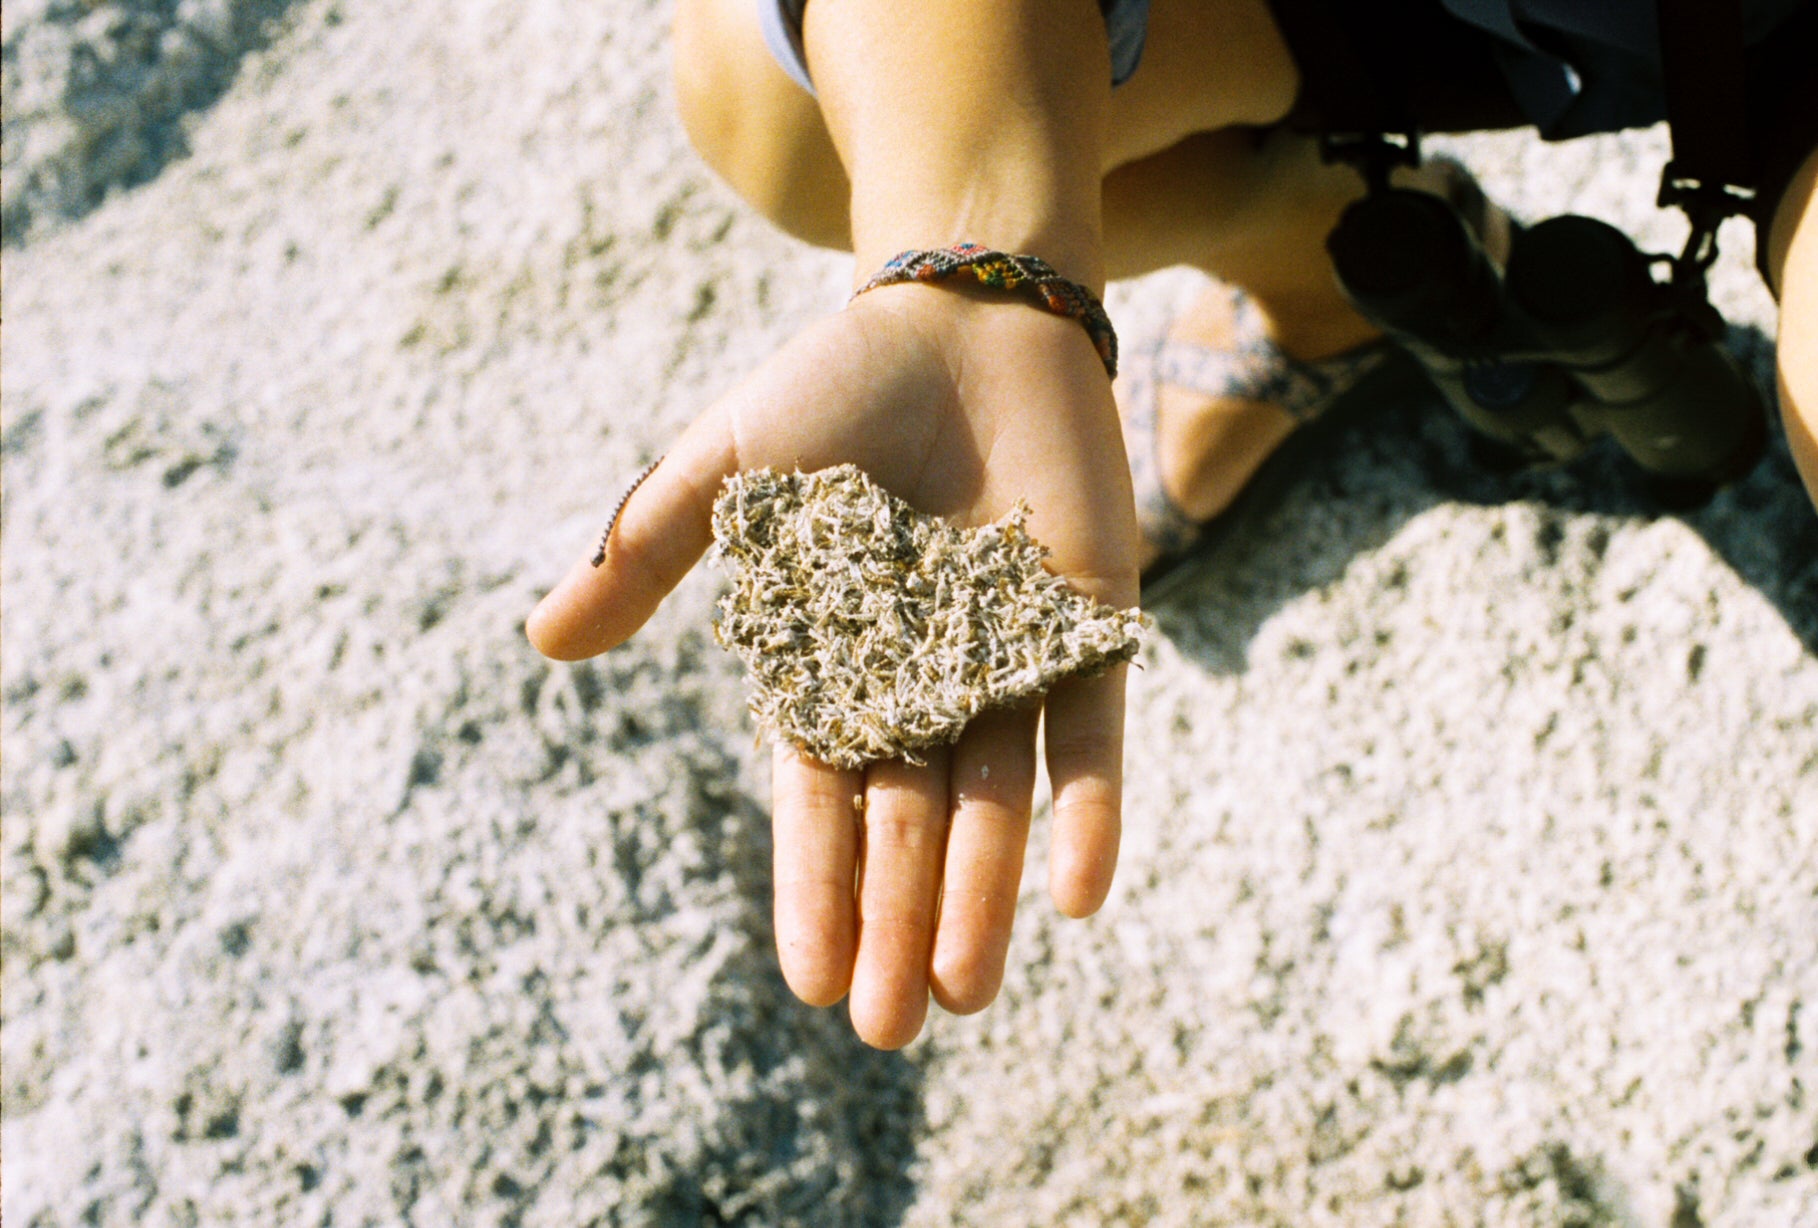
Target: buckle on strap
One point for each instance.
(1679, 188)
(1372, 154)
(1706, 202)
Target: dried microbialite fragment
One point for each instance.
(872, 631)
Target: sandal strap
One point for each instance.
(1254, 368)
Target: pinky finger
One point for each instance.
(1085, 751)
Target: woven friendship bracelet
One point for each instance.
(1003, 271)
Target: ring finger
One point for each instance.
(903, 845)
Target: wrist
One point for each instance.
(1028, 277)
(1071, 246)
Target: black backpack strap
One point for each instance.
(1366, 119)
(1711, 175)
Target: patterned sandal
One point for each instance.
(1254, 368)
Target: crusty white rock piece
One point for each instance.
(872, 631)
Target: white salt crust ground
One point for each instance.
(1470, 874)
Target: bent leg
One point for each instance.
(1793, 270)
(758, 130)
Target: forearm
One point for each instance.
(973, 121)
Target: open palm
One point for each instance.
(961, 403)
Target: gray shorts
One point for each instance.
(1126, 21)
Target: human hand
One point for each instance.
(898, 880)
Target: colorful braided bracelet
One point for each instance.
(1003, 271)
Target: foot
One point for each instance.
(1235, 376)
(1206, 447)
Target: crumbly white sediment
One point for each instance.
(871, 631)
(1471, 821)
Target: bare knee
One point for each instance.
(1206, 65)
(755, 127)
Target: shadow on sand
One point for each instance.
(1404, 452)
(875, 1098)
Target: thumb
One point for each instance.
(661, 531)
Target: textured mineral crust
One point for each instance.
(871, 631)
